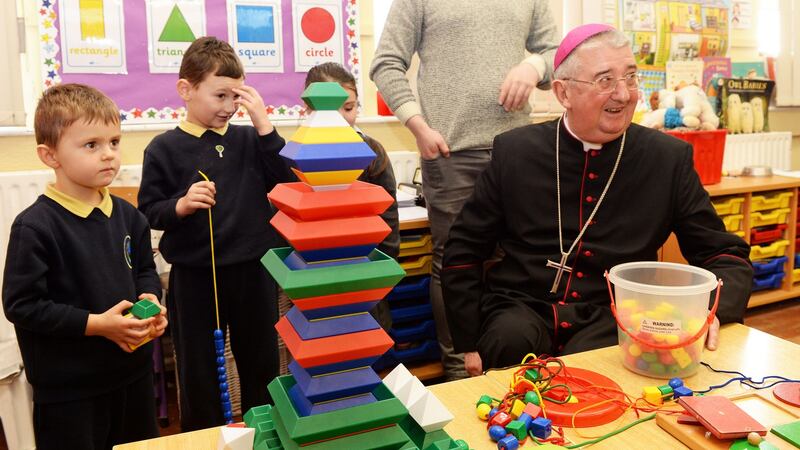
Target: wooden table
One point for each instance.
(743, 349)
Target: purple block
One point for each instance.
(330, 327)
(320, 388)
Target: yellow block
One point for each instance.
(145, 341)
(93, 24)
(516, 408)
(329, 177)
(652, 395)
(325, 135)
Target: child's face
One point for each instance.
(350, 107)
(86, 157)
(211, 103)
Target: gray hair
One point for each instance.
(571, 65)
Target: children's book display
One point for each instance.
(743, 104)
(334, 275)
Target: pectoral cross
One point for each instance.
(219, 150)
(561, 267)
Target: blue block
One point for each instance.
(321, 388)
(296, 262)
(305, 408)
(329, 327)
(328, 157)
(356, 251)
(541, 427)
(508, 443)
(339, 366)
(526, 419)
(682, 391)
(340, 310)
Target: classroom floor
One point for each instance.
(779, 319)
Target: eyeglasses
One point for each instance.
(606, 84)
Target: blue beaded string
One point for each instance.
(745, 380)
(219, 336)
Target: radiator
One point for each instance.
(772, 149)
(404, 163)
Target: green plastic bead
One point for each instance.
(484, 400)
(532, 375)
(531, 397)
(649, 357)
(658, 368)
(665, 390)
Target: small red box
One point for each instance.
(709, 148)
(383, 108)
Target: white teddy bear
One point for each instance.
(695, 108)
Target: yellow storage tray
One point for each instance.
(729, 205)
(795, 275)
(772, 200)
(777, 248)
(733, 222)
(761, 219)
(415, 245)
(739, 233)
(418, 266)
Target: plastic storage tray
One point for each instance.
(728, 205)
(764, 235)
(417, 266)
(777, 248)
(411, 288)
(772, 200)
(769, 266)
(416, 332)
(762, 219)
(415, 245)
(771, 281)
(733, 222)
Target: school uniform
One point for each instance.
(244, 167)
(66, 260)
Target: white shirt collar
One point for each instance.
(586, 145)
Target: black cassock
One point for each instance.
(507, 310)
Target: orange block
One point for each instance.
(333, 349)
(301, 201)
(345, 298)
(330, 233)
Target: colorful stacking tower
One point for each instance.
(334, 275)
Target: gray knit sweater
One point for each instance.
(466, 48)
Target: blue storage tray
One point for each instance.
(771, 281)
(412, 313)
(416, 332)
(411, 288)
(768, 266)
(796, 260)
(427, 351)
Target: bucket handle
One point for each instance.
(703, 329)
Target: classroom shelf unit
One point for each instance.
(768, 201)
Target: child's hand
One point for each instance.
(254, 104)
(160, 323)
(199, 196)
(121, 330)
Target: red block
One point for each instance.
(301, 201)
(330, 233)
(346, 298)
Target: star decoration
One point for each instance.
(53, 15)
(355, 61)
(51, 74)
(353, 2)
(50, 48)
(137, 113)
(302, 112)
(162, 116)
(351, 22)
(43, 11)
(47, 24)
(122, 117)
(281, 110)
(270, 110)
(46, 3)
(151, 114)
(354, 45)
(48, 61)
(351, 34)
(48, 83)
(240, 113)
(174, 114)
(45, 38)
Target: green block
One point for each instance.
(440, 445)
(382, 271)
(388, 410)
(324, 96)
(485, 399)
(258, 417)
(461, 444)
(789, 432)
(532, 375)
(417, 435)
(665, 390)
(518, 429)
(145, 309)
(386, 438)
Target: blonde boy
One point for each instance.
(76, 259)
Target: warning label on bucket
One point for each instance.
(661, 326)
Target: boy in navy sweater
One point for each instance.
(76, 259)
(243, 165)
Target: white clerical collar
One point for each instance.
(586, 145)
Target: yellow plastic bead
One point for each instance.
(635, 350)
(572, 399)
(483, 411)
(681, 357)
(516, 408)
(652, 395)
(665, 307)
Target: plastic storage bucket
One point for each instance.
(662, 316)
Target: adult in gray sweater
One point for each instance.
(474, 82)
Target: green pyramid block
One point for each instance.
(144, 309)
(177, 29)
(324, 96)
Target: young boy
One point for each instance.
(243, 165)
(76, 259)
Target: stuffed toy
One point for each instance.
(661, 102)
(758, 114)
(747, 117)
(696, 110)
(734, 113)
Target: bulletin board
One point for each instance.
(130, 49)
